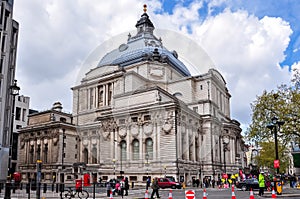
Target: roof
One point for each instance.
(144, 46)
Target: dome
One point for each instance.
(142, 47)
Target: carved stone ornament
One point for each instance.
(148, 128)
(55, 140)
(45, 141)
(106, 134)
(31, 142)
(85, 142)
(134, 130)
(122, 132)
(38, 142)
(94, 141)
(167, 127)
(22, 144)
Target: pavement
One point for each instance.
(138, 193)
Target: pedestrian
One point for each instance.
(148, 183)
(213, 183)
(261, 183)
(126, 186)
(122, 185)
(155, 188)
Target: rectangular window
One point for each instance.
(147, 117)
(100, 96)
(195, 109)
(121, 121)
(24, 114)
(134, 119)
(91, 98)
(18, 113)
(109, 93)
(1, 65)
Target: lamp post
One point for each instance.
(114, 161)
(273, 127)
(225, 148)
(14, 91)
(147, 163)
(121, 154)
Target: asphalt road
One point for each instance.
(139, 193)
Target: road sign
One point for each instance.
(190, 194)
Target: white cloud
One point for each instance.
(56, 36)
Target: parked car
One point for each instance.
(167, 183)
(247, 184)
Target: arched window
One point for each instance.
(45, 156)
(136, 149)
(31, 156)
(109, 93)
(100, 96)
(94, 155)
(123, 146)
(85, 157)
(149, 148)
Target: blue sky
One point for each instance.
(253, 43)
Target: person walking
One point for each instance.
(155, 188)
(148, 183)
(126, 186)
(261, 183)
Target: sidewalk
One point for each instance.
(286, 192)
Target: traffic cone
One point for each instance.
(204, 194)
(273, 193)
(251, 194)
(111, 195)
(146, 195)
(232, 192)
(170, 194)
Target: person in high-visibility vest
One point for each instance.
(261, 183)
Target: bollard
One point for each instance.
(13, 187)
(45, 188)
(27, 188)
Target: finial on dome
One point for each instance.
(145, 8)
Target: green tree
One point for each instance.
(266, 155)
(283, 103)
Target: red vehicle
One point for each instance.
(167, 183)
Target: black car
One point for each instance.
(248, 184)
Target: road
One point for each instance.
(139, 193)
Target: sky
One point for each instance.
(255, 44)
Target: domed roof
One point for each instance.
(141, 47)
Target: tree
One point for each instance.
(265, 157)
(283, 103)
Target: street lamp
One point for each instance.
(273, 127)
(121, 144)
(14, 91)
(147, 163)
(114, 161)
(225, 148)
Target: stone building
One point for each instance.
(51, 137)
(140, 112)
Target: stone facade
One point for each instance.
(144, 114)
(139, 112)
(50, 137)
